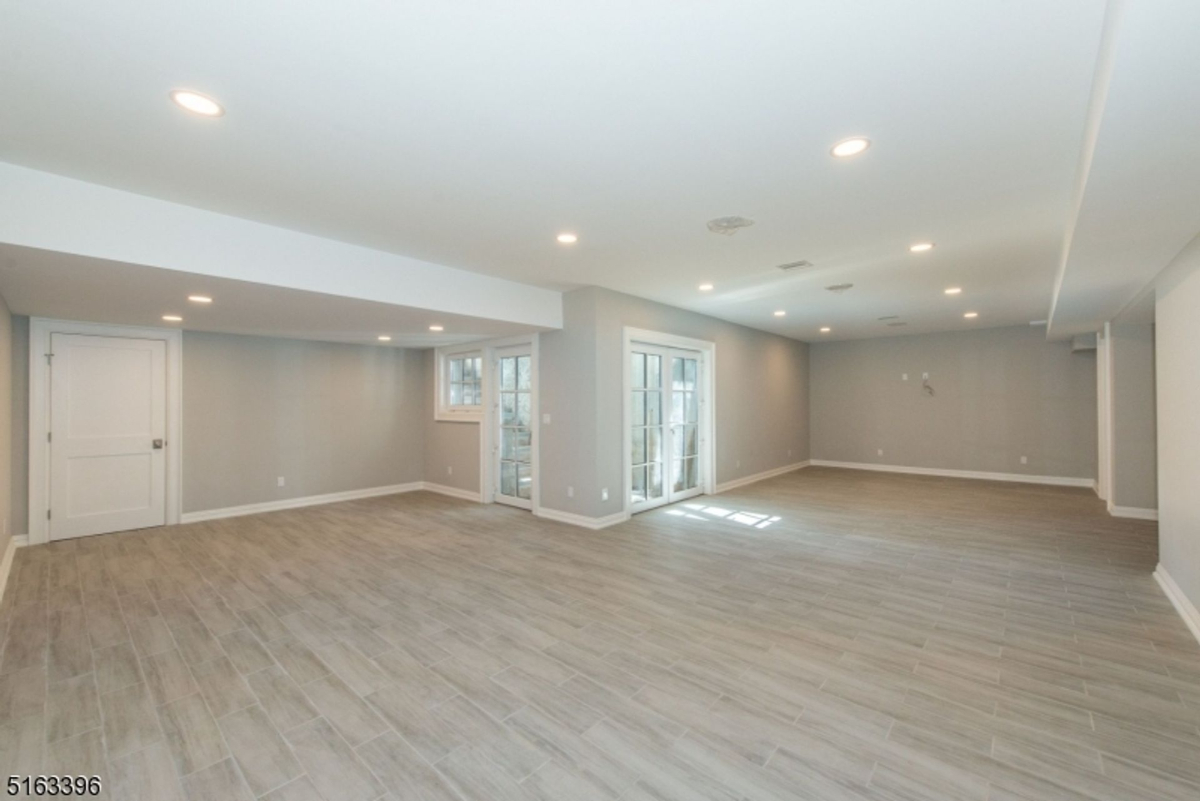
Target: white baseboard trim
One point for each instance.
(1134, 512)
(1056, 481)
(1186, 609)
(453, 492)
(6, 561)
(583, 521)
(296, 503)
(725, 486)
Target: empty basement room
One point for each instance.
(567, 401)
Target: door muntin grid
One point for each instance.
(685, 424)
(665, 446)
(516, 426)
(648, 428)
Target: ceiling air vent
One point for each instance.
(728, 226)
(795, 265)
(839, 288)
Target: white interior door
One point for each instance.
(514, 426)
(665, 452)
(107, 434)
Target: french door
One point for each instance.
(666, 442)
(514, 426)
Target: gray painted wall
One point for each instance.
(327, 417)
(1001, 393)
(451, 456)
(761, 403)
(19, 438)
(1134, 427)
(1177, 331)
(7, 521)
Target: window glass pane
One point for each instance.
(508, 408)
(654, 372)
(638, 370)
(524, 408)
(676, 407)
(654, 408)
(469, 398)
(655, 489)
(638, 408)
(478, 393)
(456, 369)
(639, 446)
(524, 439)
(691, 406)
(524, 481)
(689, 373)
(508, 374)
(477, 366)
(508, 479)
(654, 445)
(524, 372)
(456, 394)
(469, 369)
(639, 484)
(677, 373)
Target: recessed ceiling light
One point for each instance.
(826, 330)
(971, 315)
(384, 338)
(567, 239)
(706, 287)
(199, 298)
(780, 313)
(954, 290)
(921, 247)
(850, 147)
(172, 318)
(436, 328)
(197, 103)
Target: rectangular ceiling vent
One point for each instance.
(795, 265)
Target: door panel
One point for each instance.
(514, 449)
(665, 426)
(107, 410)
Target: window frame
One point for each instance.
(459, 413)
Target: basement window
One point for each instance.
(459, 385)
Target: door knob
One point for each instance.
(158, 444)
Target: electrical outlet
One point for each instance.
(604, 494)
(280, 481)
(1024, 460)
(449, 470)
(570, 492)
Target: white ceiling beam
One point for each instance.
(50, 212)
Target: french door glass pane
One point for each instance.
(653, 372)
(654, 445)
(639, 446)
(639, 370)
(655, 490)
(639, 484)
(516, 420)
(639, 408)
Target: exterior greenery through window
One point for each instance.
(466, 376)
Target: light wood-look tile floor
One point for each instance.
(823, 635)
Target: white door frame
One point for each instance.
(708, 406)
(489, 432)
(40, 330)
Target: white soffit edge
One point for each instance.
(46, 211)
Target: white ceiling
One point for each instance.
(470, 133)
(42, 283)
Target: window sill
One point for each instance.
(446, 416)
